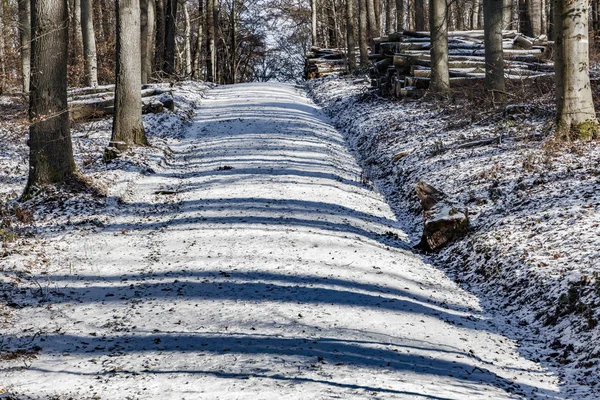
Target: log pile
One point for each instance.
(319, 63)
(97, 102)
(402, 63)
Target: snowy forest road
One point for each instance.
(258, 265)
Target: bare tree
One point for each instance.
(170, 31)
(50, 148)
(187, 41)
(494, 58)
(197, 65)
(399, 15)
(313, 24)
(372, 22)
(438, 25)
(25, 41)
(575, 114)
(148, 23)
(89, 43)
(389, 11)
(350, 28)
(362, 33)
(211, 57)
(128, 128)
(507, 14)
(419, 15)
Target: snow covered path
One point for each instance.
(257, 265)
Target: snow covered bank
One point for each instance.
(534, 246)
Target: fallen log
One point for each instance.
(83, 110)
(443, 220)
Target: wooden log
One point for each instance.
(443, 220)
(523, 42)
(82, 110)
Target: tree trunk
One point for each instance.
(159, 53)
(89, 43)
(128, 128)
(313, 24)
(507, 14)
(170, 31)
(197, 67)
(77, 44)
(233, 50)
(438, 24)
(350, 45)
(147, 21)
(494, 60)
(372, 20)
(534, 12)
(25, 41)
(362, 33)
(420, 15)
(50, 148)
(575, 114)
(211, 56)
(399, 15)
(187, 43)
(389, 8)
(107, 29)
(476, 4)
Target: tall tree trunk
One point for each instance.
(25, 41)
(494, 60)
(399, 15)
(372, 20)
(50, 148)
(159, 53)
(233, 50)
(362, 33)
(107, 28)
(476, 4)
(313, 22)
(187, 41)
(420, 15)
(98, 15)
(197, 67)
(350, 44)
(438, 25)
(170, 31)
(460, 15)
(77, 43)
(147, 25)
(89, 43)
(128, 128)
(575, 114)
(211, 56)
(534, 12)
(507, 14)
(389, 10)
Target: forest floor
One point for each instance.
(243, 255)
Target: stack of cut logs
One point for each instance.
(96, 102)
(319, 63)
(402, 62)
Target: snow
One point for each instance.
(532, 253)
(244, 255)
